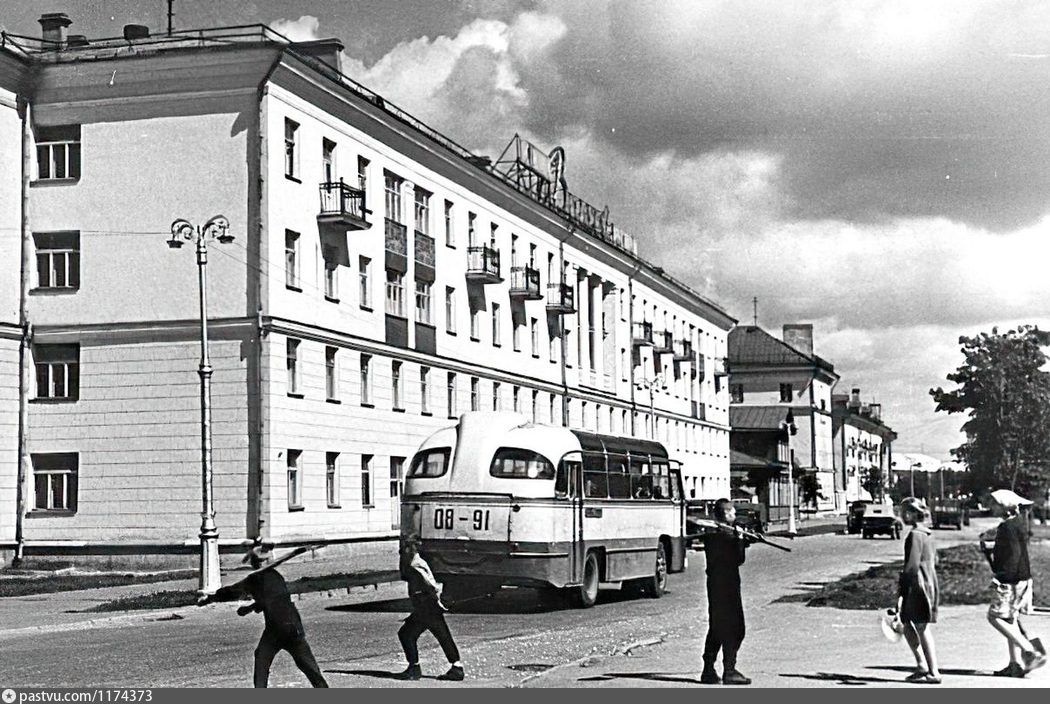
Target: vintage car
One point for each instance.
(880, 519)
(854, 514)
(749, 515)
(949, 512)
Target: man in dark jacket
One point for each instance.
(284, 628)
(428, 614)
(724, 551)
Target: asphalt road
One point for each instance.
(511, 639)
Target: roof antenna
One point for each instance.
(171, 13)
(754, 301)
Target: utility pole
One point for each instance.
(754, 303)
(171, 14)
(788, 425)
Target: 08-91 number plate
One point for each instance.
(478, 522)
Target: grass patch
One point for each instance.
(186, 597)
(21, 583)
(962, 573)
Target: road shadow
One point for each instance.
(379, 674)
(843, 678)
(649, 676)
(959, 672)
(505, 601)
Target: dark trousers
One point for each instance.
(726, 625)
(426, 616)
(272, 643)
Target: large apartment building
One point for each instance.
(380, 281)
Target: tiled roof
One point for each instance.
(756, 417)
(750, 344)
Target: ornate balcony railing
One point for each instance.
(483, 264)
(560, 297)
(525, 283)
(343, 205)
(683, 351)
(643, 333)
(663, 342)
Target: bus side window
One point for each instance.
(564, 482)
(619, 485)
(596, 485)
(661, 487)
(642, 486)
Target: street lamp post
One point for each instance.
(217, 228)
(650, 384)
(788, 424)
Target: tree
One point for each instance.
(809, 488)
(874, 482)
(1007, 399)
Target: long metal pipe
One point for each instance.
(209, 571)
(24, 352)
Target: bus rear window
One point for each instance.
(516, 463)
(430, 463)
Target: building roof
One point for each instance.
(757, 417)
(750, 344)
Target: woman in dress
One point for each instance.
(917, 596)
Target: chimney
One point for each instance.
(854, 398)
(53, 28)
(800, 337)
(876, 412)
(327, 51)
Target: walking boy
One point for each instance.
(724, 551)
(284, 628)
(428, 614)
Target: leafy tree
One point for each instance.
(1007, 399)
(809, 488)
(874, 482)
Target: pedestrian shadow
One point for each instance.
(841, 678)
(959, 672)
(378, 674)
(386, 606)
(505, 601)
(651, 676)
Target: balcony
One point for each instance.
(721, 366)
(343, 206)
(525, 283)
(396, 238)
(560, 298)
(683, 351)
(663, 342)
(643, 333)
(423, 245)
(483, 265)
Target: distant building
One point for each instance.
(863, 446)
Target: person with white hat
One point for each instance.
(1012, 582)
(918, 593)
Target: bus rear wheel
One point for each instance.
(586, 594)
(656, 585)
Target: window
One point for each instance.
(362, 173)
(55, 481)
(366, 482)
(475, 394)
(423, 302)
(395, 293)
(395, 385)
(328, 160)
(450, 309)
(363, 264)
(534, 337)
(785, 393)
(58, 152)
(292, 359)
(475, 324)
(393, 196)
(430, 463)
(550, 407)
(495, 325)
(295, 480)
(331, 478)
(291, 260)
(331, 274)
(535, 406)
(472, 233)
(57, 372)
(422, 211)
(515, 463)
(496, 402)
(736, 393)
(57, 259)
(450, 394)
(291, 149)
(366, 380)
(516, 334)
(397, 473)
(450, 225)
(515, 394)
(424, 390)
(331, 381)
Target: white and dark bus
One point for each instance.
(498, 500)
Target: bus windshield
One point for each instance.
(517, 463)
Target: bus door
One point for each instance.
(679, 542)
(576, 552)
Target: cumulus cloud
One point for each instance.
(303, 29)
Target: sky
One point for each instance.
(878, 168)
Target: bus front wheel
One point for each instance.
(587, 593)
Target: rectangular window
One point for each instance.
(331, 371)
(515, 334)
(423, 314)
(395, 293)
(57, 372)
(291, 260)
(475, 324)
(786, 395)
(496, 401)
(366, 380)
(366, 482)
(450, 395)
(331, 274)
(363, 264)
(475, 394)
(331, 478)
(535, 406)
(472, 233)
(534, 337)
(328, 161)
(395, 386)
(551, 407)
(422, 211)
(397, 476)
(362, 173)
(291, 148)
(424, 390)
(552, 348)
(57, 259)
(495, 325)
(393, 196)
(292, 360)
(55, 481)
(515, 395)
(736, 393)
(450, 225)
(295, 480)
(58, 152)
(450, 309)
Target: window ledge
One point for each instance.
(333, 400)
(52, 401)
(398, 410)
(475, 339)
(368, 308)
(45, 182)
(290, 177)
(450, 332)
(496, 344)
(295, 394)
(453, 417)
(331, 299)
(535, 356)
(296, 508)
(53, 290)
(334, 506)
(368, 506)
(52, 513)
(368, 405)
(425, 413)
(450, 246)
(290, 287)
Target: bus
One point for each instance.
(497, 500)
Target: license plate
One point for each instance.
(468, 522)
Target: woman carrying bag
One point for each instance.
(918, 595)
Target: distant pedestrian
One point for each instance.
(918, 594)
(1012, 581)
(724, 551)
(428, 614)
(284, 628)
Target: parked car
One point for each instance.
(854, 514)
(880, 519)
(949, 512)
(749, 515)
